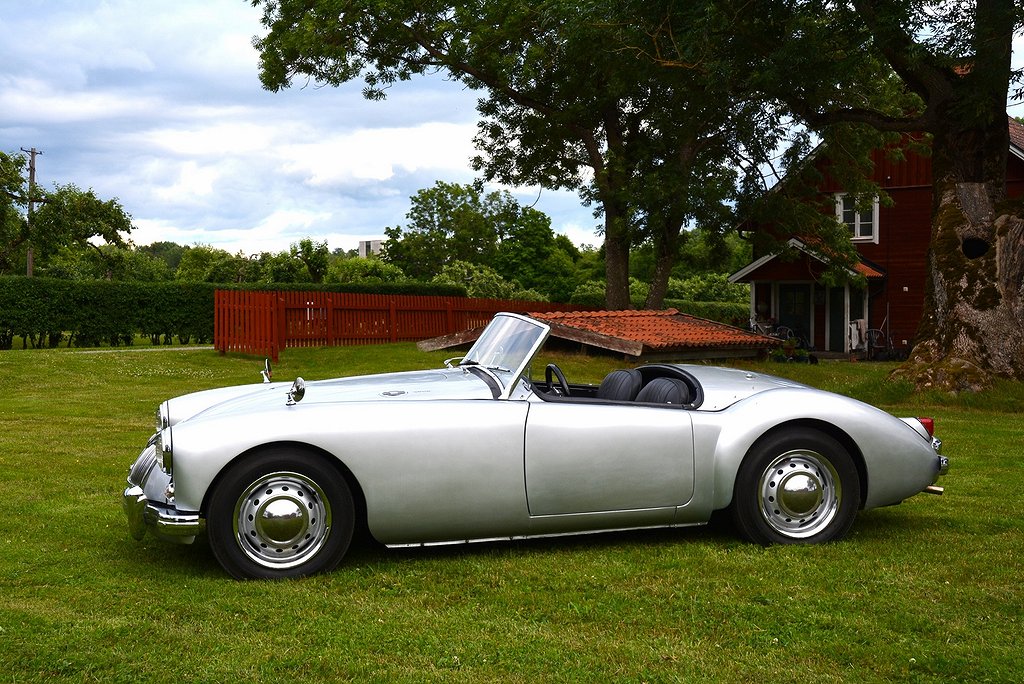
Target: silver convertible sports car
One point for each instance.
(279, 475)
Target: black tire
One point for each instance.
(797, 486)
(280, 513)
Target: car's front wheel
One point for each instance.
(796, 486)
(280, 513)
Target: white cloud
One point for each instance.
(159, 105)
(378, 154)
(193, 182)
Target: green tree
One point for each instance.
(943, 69)
(13, 228)
(204, 263)
(563, 106)
(283, 267)
(484, 282)
(63, 216)
(107, 262)
(315, 257)
(71, 216)
(447, 223)
(168, 252)
(363, 270)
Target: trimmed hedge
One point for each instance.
(91, 313)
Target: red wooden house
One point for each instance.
(893, 245)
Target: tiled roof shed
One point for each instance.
(656, 335)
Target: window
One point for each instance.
(863, 225)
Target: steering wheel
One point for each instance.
(553, 370)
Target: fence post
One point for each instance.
(393, 318)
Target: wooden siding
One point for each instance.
(266, 322)
(914, 172)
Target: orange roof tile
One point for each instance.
(1016, 133)
(868, 271)
(659, 330)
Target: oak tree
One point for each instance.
(934, 68)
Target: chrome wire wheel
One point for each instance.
(799, 494)
(282, 520)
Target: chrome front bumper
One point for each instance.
(147, 506)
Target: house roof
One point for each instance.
(642, 332)
(863, 267)
(1016, 137)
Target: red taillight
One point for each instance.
(929, 425)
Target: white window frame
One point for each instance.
(856, 235)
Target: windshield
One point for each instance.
(506, 346)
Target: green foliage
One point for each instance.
(100, 312)
(314, 256)
(168, 252)
(363, 270)
(106, 262)
(452, 223)
(64, 217)
(449, 222)
(591, 294)
(569, 101)
(484, 282)
(206, 264)
(730, 313)
(710, 287)
(71, 216)
(13, 228)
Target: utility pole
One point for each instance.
(29, 258)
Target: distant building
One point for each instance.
(369, 248)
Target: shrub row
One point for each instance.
(44, 312)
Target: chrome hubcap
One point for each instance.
(282, 520)
(799, 494)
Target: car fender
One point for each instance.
(878, 441)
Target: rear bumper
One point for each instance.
(147, 506)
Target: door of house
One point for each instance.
(795, 302)
(837, 317)
(845, 305)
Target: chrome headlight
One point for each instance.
(164, 450)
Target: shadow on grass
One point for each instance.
(153, 557)
(372, 552)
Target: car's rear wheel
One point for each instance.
(280, 513)
(796, 486)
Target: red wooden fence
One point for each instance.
(266, 322)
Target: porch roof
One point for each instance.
(749, 272)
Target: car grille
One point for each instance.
(143, 465)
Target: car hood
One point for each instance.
(723, 387)
(449, 383)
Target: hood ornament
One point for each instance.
(266, 372)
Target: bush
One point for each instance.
(41, 310)
(730, 313)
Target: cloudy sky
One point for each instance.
(159, 104)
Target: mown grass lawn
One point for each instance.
(927, 591)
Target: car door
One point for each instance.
(593, 457)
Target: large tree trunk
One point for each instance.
(617, 241)
(666, 246)
(973, 323)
